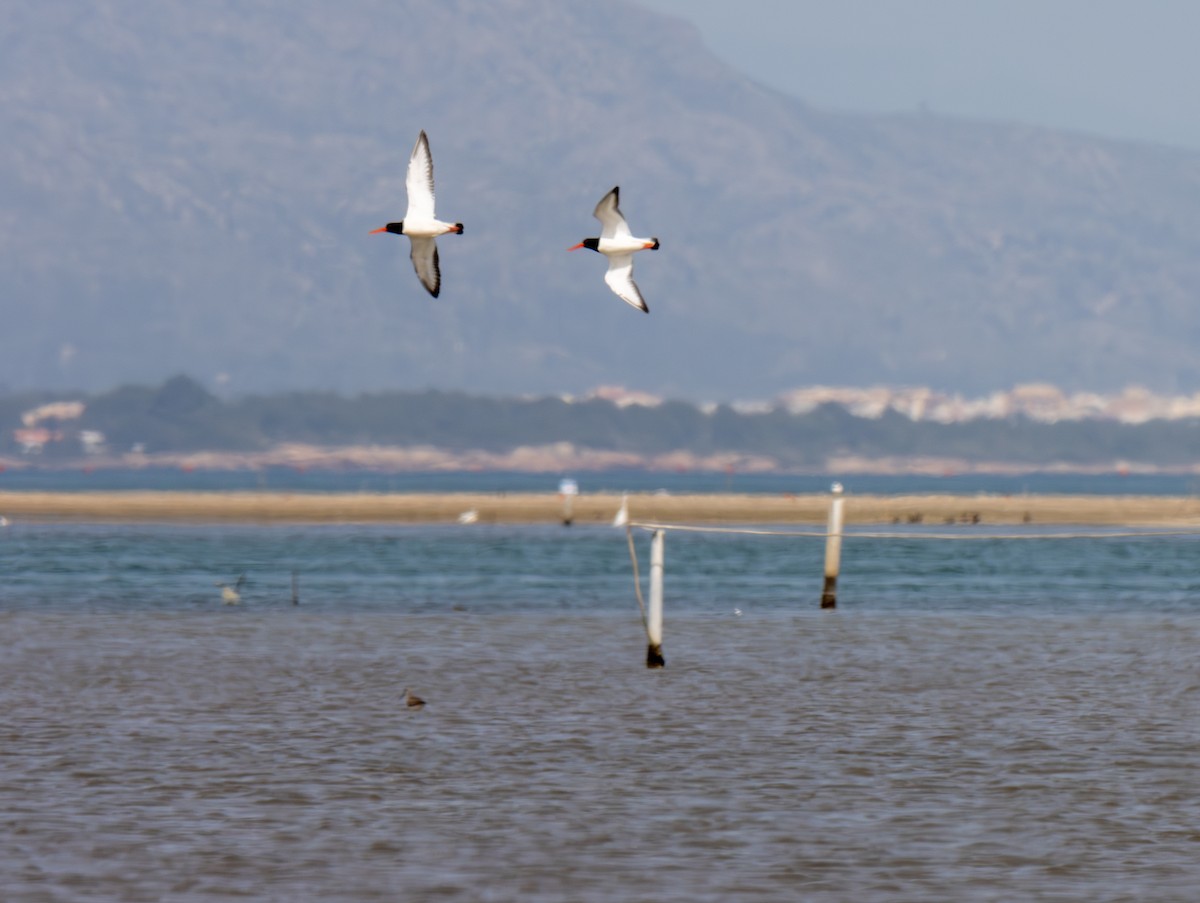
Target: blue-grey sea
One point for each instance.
(300, 480)
(984, 720)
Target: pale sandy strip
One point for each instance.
(597, 508)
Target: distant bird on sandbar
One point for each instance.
(231, 595)
(621, 518)
(469, 516)
(419, 223)
(413, 701)
(618, 244)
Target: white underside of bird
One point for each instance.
(619, 245)
(420, 224)
(231, 595)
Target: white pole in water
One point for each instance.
(833, 548)
(654, 618)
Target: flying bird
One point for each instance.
(419, 223)
(618, 244)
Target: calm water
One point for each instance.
(977, 721)
(292, 480)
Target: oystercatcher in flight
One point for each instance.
(618, 244)
(419, 223)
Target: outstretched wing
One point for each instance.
(610, 216)
(620, 279)
(419, 181)
(425, 262)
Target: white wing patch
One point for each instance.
(419, 181)
(610, 216)
(620, 279)
(425, 262)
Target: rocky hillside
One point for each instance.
(190, 187)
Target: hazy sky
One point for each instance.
(1120, 68)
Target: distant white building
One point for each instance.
(1037, 401)
(33, 440)
(56, 410)
(92, 442)
(623, 398)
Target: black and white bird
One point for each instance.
(420, 224)
(232, 595)
(618, 244)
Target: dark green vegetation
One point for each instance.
(180, 415)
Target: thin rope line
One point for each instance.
(821, 534)
(637, 581)
(749, 531)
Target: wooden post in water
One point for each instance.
(833, 548)
(654, 618)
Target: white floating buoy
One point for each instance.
(468, 517)
(567, 490)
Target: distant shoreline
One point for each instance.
(261, 507)
(565, 457)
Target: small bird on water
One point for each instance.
(618, 244)
(412, 700)
(419, 223)
(231, 595)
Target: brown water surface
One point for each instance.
(268, 755)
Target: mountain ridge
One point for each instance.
(191, 189)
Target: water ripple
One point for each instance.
(1002, 745)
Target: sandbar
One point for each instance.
(592, 508)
